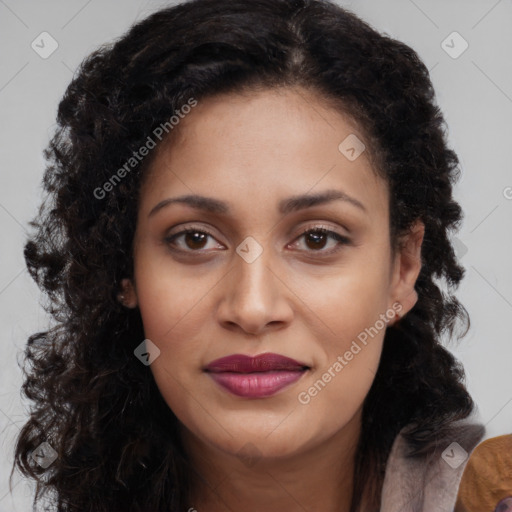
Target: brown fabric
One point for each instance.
(487, 478)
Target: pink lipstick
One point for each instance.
(255, 377)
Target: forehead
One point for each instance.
(258, 147)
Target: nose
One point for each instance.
(255, 298)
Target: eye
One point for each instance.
(317, 238)
(190, 240)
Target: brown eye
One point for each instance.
(195, 239)
(190, 240)
(318, 238)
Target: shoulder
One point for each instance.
(487, 478)
(429, 480)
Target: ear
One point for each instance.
(407, 266)
(128, 296)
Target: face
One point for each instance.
(283, 254)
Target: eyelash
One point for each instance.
(342, 240)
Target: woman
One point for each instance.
(248, 208)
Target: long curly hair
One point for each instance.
(117, 442)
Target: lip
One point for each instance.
(255, 377)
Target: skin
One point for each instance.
(305, 301)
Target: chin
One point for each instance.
(263, 441)
(256, 448)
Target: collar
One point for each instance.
(429, 482)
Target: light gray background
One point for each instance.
(474, 91)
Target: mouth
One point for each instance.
(255, 377)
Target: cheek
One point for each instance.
(175, 323)
(334, 397)
(350, 315)
(347, 300)
(169, 296)
(338, 386)
(174, 308)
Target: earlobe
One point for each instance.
(407, 268)
(128, 296)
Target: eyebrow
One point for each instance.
(285, 206)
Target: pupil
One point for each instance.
(197, 240)
(318, 240)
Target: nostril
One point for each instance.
(505, 505)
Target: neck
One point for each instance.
(320, 478)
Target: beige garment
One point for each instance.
(429, 483)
